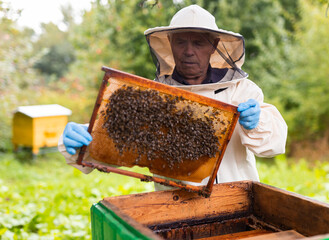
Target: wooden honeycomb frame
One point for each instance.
(103, 150)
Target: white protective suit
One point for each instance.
(266, 140)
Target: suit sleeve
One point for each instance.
(269, 137)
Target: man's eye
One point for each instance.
(180, 42)
(200, 43)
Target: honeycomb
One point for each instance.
(172, 132)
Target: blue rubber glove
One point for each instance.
(249, 114)
(75, 136)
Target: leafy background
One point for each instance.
(286, 55)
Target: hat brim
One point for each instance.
(231, 43)
(172, 29)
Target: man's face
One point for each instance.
(191, 51)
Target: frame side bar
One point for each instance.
(94, 114)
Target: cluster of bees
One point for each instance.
(149, 123)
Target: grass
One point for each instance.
(300, 176)
(47, 199)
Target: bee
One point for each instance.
(149, 123)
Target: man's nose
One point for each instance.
(188, 49)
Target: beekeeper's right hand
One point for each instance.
(75, 136)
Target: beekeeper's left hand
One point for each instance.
(75, 136)
(249, 114)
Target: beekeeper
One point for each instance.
(193, 54)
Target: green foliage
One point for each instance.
(53, 48)
(46, 198)
(16, 55)
(266, 29)
(56, 60)
(305, 98)
(80, 103)
(303, 177)
(112, 35)
(16, 72)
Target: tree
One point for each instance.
(53, 47)
(15, 52)
(112, 34)
(16, 72)
(306, 97)
(56, 60)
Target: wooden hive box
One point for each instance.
(39, 126)
(237, 210)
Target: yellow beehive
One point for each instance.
(39, 126)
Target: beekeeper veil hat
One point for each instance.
(230, 51)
